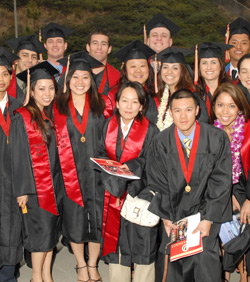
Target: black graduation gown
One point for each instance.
(137, 243)
(10, 221)
(210, 195)
(245, 91)
(83, 224)
(151, 110)
(40, 228)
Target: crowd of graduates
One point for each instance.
(184, 132)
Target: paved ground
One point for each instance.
(63, 269)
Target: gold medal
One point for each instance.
(188, 188)
(83, 139)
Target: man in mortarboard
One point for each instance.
(99, 47)
(239, 36)
(55, 36)
(28, 49)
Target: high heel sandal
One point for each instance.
(81, 267)
(95, 280)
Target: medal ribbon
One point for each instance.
(5, 125)
(80, 126)
(113, 205)
(188, 171)
(103, 82)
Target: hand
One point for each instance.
(124, 167)
(245, 212)
(236, 205)
(168, 224)
(204, 227)
(22, 201)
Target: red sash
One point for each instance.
(245, 149)
(104, 80)
(208, 100)
(157, 102)
(11, 90)
(113, 75)
(40, 164)
(66, 157)
(63, 70)
(108, 111)
(113, 205)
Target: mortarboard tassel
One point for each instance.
(66, 74)
(27, 97)
(40, 39)
(155, 70)
(196, 76)
(145, 34)
(227, 57)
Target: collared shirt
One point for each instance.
(59, 68)
(3, 102)
(191, 136)
(125, 132)
(21, 84)
(233, 68)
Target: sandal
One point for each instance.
(95, 280)
(81, 267)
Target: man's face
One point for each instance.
(184, 112)
(56, 46)
(159, 39)
(99, 47)
(241, 47)
(27, 60)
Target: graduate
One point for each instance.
(10, 232)
(126, 138)
(204, 187)
(36, 174)
(231, 112)
(244, 76)
(27, 48)
(78, 117)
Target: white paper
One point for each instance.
(193, 239)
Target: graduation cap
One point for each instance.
(174, 55)
(134, 50)
(212, 49)
(56, 30)
(160, 20)
(239, 26)
(6, 58)
(28, 42)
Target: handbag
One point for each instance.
(136, 211)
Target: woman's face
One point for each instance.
(80, 82)
(171, 73)
(128, 105)
(226, 110)
(244, 73)
(210, 68)
(137, 70)
(5, 78)
(43, 93)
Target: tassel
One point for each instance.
(66, 74)
(227, 57)
(196, 76)
(40, 39)
(145, 34)
(27, 97)
(155, 70)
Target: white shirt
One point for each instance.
(4, 102)
(125, 132)
(233, 68)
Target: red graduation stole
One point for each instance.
(40, 164)
(66, 157)
(63, 70)
(207, 100)
(156, 102)
(245, 149)
(11, 90)
(113, 205)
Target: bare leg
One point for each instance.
(46, 272)
(227, 276)
(78, 249)
(243, 273)
(165, 269)
(37, 265)
(94, 252)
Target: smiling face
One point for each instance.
(171, 73)
(159, 39)
(27, 59)
(210, 69)
(56, 46)
(241, 47)
(184, 112)
(5, 78)
(244, 73)
(128, 105)
(80, 82)
(137, 70)
(225, 109)
(43, 93)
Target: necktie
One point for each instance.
(187, 143)
(234, 75)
